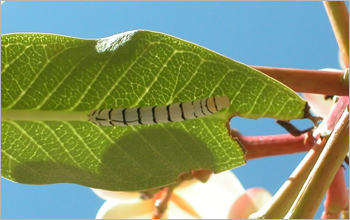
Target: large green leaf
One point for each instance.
(50, 83)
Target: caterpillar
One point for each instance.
(158, 114)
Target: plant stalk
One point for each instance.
(273, 145)
(278, 206)
(337, 197)
(323, 172)
(339, 17)
(309, 81)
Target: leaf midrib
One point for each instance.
(59, 115)
(43, 115)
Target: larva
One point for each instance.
(158, 114)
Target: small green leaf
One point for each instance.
(50, 83)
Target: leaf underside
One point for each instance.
(45, 73)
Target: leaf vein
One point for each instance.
(127, 155)
(256, 99)
(180, 146)
(61, 82)
(31, 139)
(188, 81)
(154, 150)
(33, 80)
(121, 77)
(60, 142)
(154, 80)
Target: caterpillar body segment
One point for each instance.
(158, 114)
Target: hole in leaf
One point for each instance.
(265, 126)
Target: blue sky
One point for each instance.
(278, 34)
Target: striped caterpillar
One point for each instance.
(158, 114)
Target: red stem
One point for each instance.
(309, 81)
(337, 198)
(272, 145)
(161, 204)
(336, 113)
